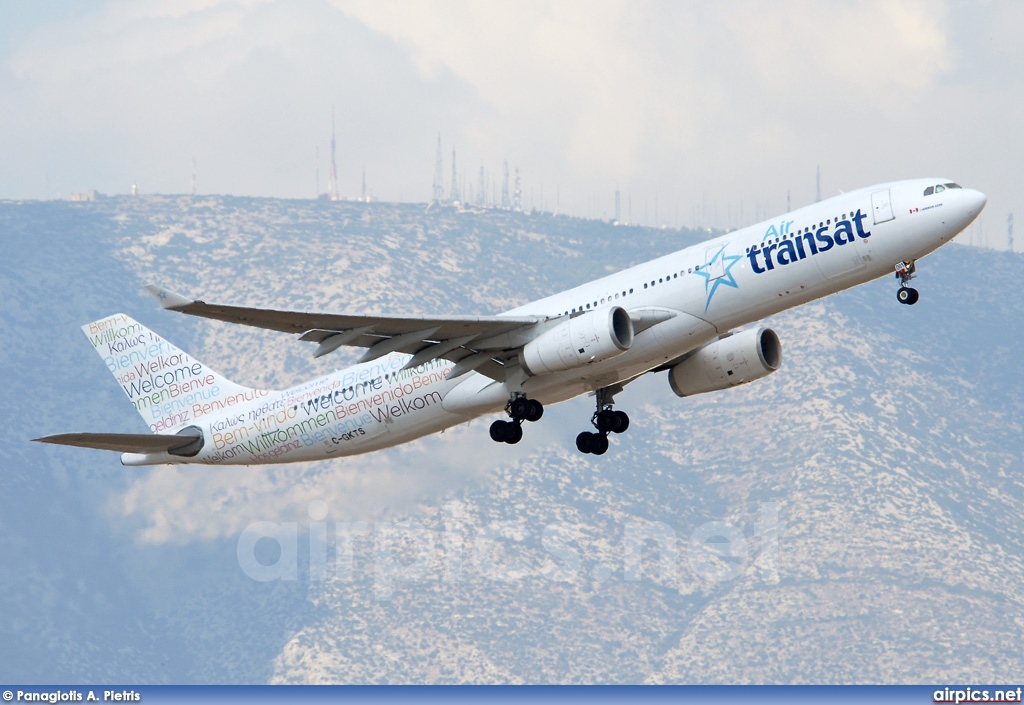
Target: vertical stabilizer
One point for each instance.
(168, 387)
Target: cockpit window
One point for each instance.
(939, 188)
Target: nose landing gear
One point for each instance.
(905, 271)
(606, 420)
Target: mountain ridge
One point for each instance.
(888, 445)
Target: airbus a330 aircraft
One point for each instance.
(421, 374)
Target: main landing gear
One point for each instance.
(520, 408)
(905, 271)
(606, 420)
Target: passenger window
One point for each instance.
(645, 285)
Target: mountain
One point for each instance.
(855, 517)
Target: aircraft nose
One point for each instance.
(976, 200)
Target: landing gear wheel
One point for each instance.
(606, 421)
(592, 443)
(536, 411)
(506, 432)
(519, 408)
(623, 422)
(907, 295)
(585, 442)
(499, 431)
(515, 433)
(905, 272)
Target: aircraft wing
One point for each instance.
(129, 442)
(482, 343)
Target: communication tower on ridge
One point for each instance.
(454, 193)
(438, 174)
(193, 176)
(1009, 231)
(332, 182)
(517, 193)
(505, 201)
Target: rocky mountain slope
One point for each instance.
(856, 517)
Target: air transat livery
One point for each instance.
(683, 313)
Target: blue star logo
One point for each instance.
(728, 261)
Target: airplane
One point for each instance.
(689, 313)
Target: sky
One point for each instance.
(699, 114)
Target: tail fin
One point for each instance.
(168, 388)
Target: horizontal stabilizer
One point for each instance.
(184, 444)
(167, 299)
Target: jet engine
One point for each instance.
(592, 337)
(728, 362)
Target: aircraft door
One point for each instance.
(881, 204)
(714, 261)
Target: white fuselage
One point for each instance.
(691, 297)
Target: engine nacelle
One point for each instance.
(592, 337)
(728, 362)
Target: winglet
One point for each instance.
(167, 299)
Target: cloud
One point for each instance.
(171, 504)
(630, 91)
(132, 92)
(702, 105)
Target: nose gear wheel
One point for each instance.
(905, 271)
